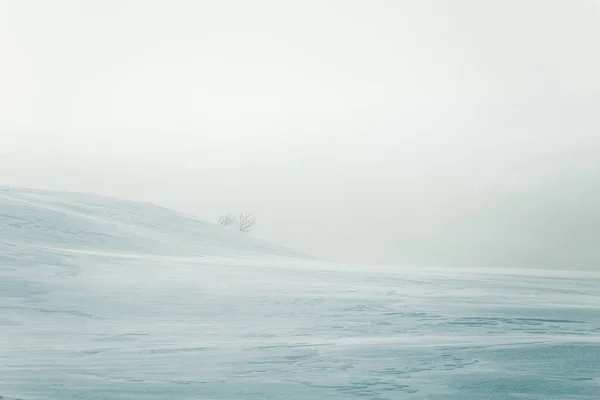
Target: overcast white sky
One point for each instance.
(410, 131)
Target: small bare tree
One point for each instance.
(246, 221)
(226, 219)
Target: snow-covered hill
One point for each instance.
(103, 299)
(73, 222)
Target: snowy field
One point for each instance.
(101, 299)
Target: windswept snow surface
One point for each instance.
(101, 299)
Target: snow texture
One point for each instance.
(104, 299)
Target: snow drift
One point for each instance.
(58, 221)
(105, 299)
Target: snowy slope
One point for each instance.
(71, 221)
(101, 300)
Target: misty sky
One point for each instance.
(460, 132)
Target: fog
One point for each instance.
(413, 132)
